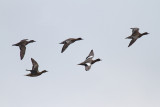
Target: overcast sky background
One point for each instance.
(126, 77)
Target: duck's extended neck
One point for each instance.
(96, 60)
(43, 71)
(145, 33)
(79, 39)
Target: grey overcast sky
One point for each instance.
(126, 77)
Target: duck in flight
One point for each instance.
(22, 46)
(34, 71)
(89, 61)
(135, 35)
(67, 42)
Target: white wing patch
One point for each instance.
(88, 64)
(90, 57)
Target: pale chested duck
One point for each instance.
(89, 61)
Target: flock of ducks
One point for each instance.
(88, 61)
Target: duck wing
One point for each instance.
(23, 40)
(65, 47)
(66, 41)
(91, 55)
(87, 66)
(34, 65)
(131, 42)
(134, 30)
(135, 34)
(22, 51)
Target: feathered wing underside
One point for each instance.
(91, 55)
(87, 67)
(135, 30)
(34, 65)
(64, 47)
(24, 40)
(131, 42)
(22, 51)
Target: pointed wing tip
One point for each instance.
(129, 45)
(21, 57)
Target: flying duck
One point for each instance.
(67, 42)
(22, 45)
(34, 71)
(135, 35)
(89, 61)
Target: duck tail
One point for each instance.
(129, 37)
(81, 64)
(14, 45)
(28, 70)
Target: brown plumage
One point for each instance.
(67, 42)
(135, 35)
(22, 46)
(89, 61)
(91, 55)
(34, 71)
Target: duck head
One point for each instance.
(98, 59)
(32, 41)
(44, 71)
(145, 33)
(79, 39)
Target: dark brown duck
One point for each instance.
(135, 35)
(67, 42)
(34, 71)
(22, 46)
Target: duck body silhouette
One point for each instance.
(89, 61)
(67, 42)
(22, 46)
(35, 72)
(135, 35)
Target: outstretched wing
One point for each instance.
(24, 40)
(91, 55)
(65, 47)
(34, 65)
(131, 42)
(66, 41)
(22, 51)
(87, 66)
(135, 30)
